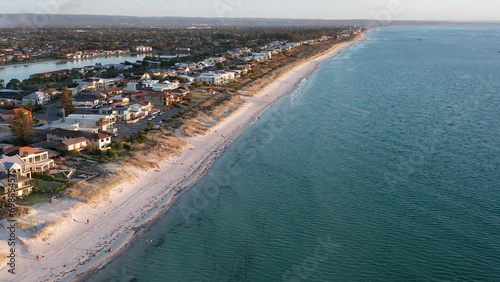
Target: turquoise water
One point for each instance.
(383, 166)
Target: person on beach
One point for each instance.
(38, 257)
(87, 221)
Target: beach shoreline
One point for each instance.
(78, 249)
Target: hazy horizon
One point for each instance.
(400, 10)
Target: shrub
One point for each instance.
(43, 176)
(117, 145)
(127, 146)
(141, 138)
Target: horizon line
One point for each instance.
(258, 18)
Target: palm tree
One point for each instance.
(101, 122)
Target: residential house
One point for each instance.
(74, 144)
(14, 167)
(8, 116)
(110, 92)
(14, 164)
(11, 94)
(37, 98)
(85, 122)
(23, 186)
(212, 78)
(140, 77)
(8, 102)
(165, 86)
(36, 160)
(120, 100)
(122, 113)
(87, 100)
(159, 99)
(99, 140)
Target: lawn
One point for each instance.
(47, 186)
(34, 199)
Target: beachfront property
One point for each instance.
(216, 78)
(17, 167)
(74, 144)
(99, 140)
(36, 160)
(37, 98)
(84, 122)
(14, 164)
(23, 186)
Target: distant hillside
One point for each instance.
(42, 20)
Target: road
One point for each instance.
(50, 113)
(131, 129)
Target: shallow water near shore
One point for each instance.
(384, 165)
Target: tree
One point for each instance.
(101, 122)
(66, 101)
(14, 83)
(22, 125)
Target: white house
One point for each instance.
(87, 123)
(131, 87)
(165, 86)
(37, 98)
(212, 78)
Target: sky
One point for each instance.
(456, 10)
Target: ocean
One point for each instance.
(382, 166)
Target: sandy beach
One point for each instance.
(78, 247)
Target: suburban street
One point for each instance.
(51, 111)
(131, 129)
